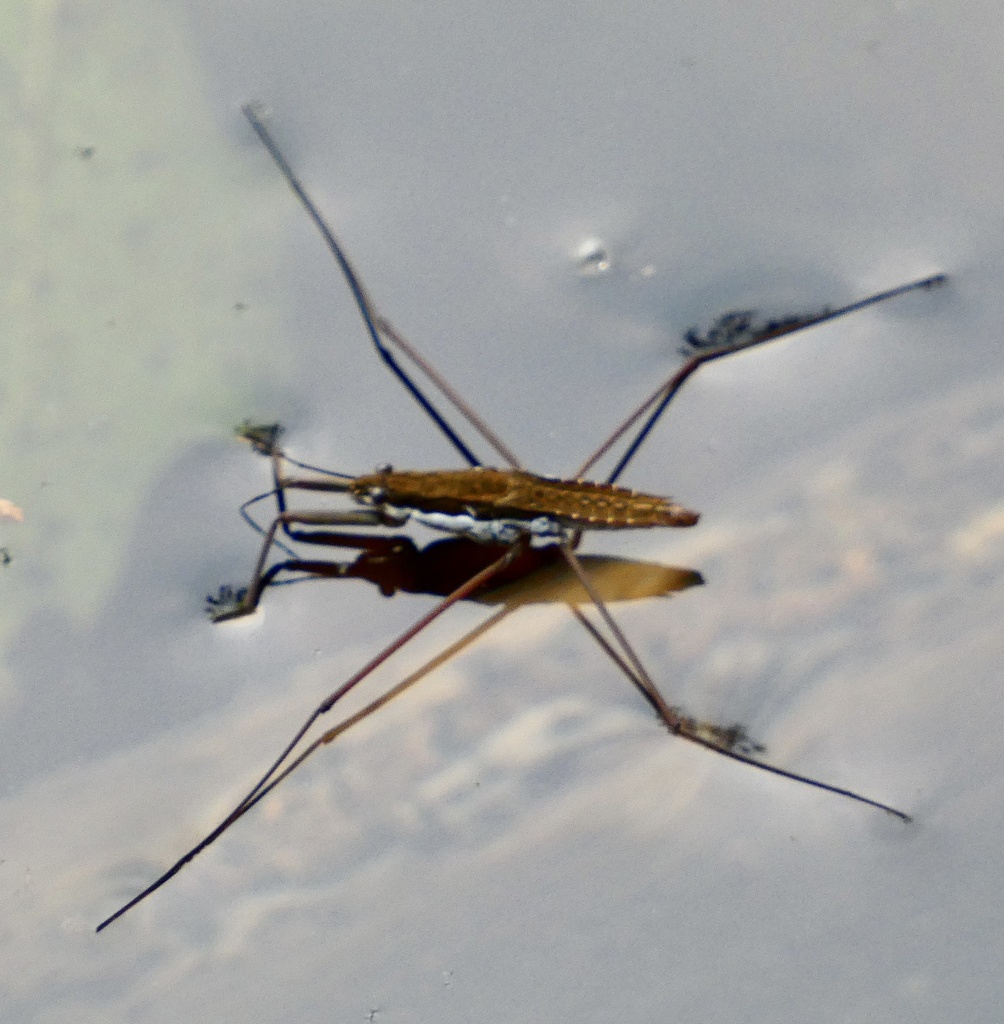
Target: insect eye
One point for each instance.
(384, 469)
(376, 495)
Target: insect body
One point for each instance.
(498, 506)
(483, 508)
(501, 504)
(513, 538)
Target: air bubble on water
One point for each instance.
(592, 258)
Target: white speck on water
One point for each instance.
(592, 258)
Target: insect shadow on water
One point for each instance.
(512, 535)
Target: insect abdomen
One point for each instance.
(515, 494)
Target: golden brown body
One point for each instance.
(489, 494)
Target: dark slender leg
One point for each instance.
(480, 579)
(690, 729)
(665, 393)
(366, 308)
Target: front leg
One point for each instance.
(233, 603)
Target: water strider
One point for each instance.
(511, 535)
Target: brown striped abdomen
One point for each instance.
(515, 494)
